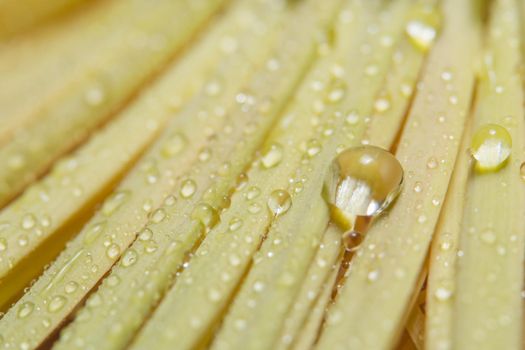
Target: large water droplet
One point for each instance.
(490, 147)
(361, 181)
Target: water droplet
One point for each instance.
(71, 287)
(25, 309)
(254, 208)
(145, 235)
(204, 155)
(28, 221)
(114, 202)
(372, 276)
(443, 294)
(129, 258)
(235, 224)
(234, 260)
(490, 147)
(522, 171)
(352, 118)
(422, 28)
(273, 156)
(93, 233)
(432, 163)
(488, 236)
(23, 240)
(113, 251)
(313, 147)
(205, 214)
(16, 161)
(188, 188)
(382, 104)
(352, 240)
(279, 202)
(56, 303)
(174, 145)
(418, 187)
(361, 181)
(94, 96)
(158, 215)
(252, 193)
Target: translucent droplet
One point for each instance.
(443, 294)
(205, 214)
(313, 147)
(158, 215)
(273, 156)
(28, 221)
(252, 193)
(382, 104)
(3, 244)
(188, 188)
(145, 235)
(113, 251)
(56, 303)
(352, 240)
(423, 26)
(361, 181)
(522, 171)
(25, 309)
(114, 202)
(174, 145)
(235, 224)
(71, 287)
(95, 95)
(490, 147)
(129, 258)
(279, 202)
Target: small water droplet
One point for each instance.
(252, 193)
(56, 303)
(235, 224)
(254, 208)
(373, 276)
(158, 215)
(352, 240)
(188, 188)
(174, 145)
(443, 294)
(95, 95)
(422, 28)
(313, 147)
(71, 287)
(25, 309)
(490, 147)
(28, 221)
(273, 156)
(113, 251)
(522, 171)
(279, 202)
(382, 104)
(432, 163)
(129, 258)
(114, 202)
